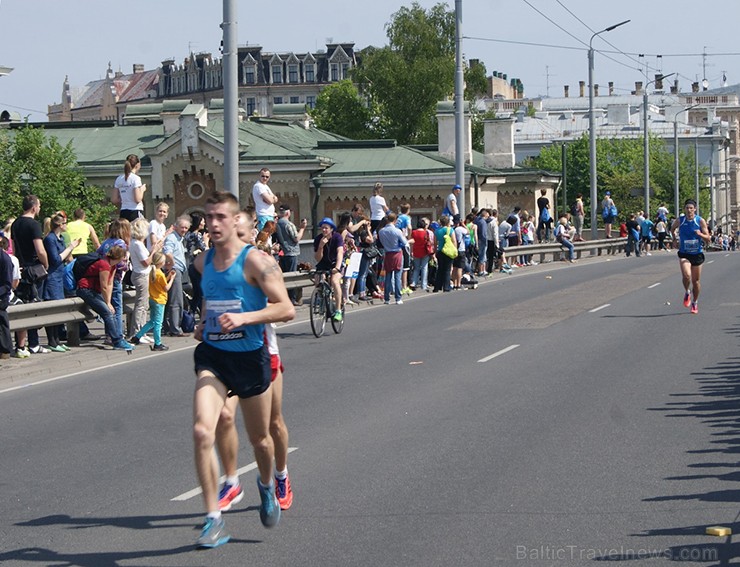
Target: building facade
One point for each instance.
(265, 80)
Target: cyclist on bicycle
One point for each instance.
(329, 251)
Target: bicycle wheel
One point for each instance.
(337, 326)
(318, 312)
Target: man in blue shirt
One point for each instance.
(393, 242)
(174, 245)
(403, 223)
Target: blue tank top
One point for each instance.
(229, 292)
(689, 241)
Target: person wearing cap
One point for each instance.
(607, 213)
(289, 237)
(451, 209)
(328, 250)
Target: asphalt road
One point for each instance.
(560, 416)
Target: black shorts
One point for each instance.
(245, 374)
(406, 259)
(459, 261)
(131, 214)
(694, 259)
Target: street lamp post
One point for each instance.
(676, 198)
(591, 131)
(646, 141)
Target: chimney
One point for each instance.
(498, 142)
(446, 131)
(658, 81)
(674, 88)
(695, 87)
(566, 88)
(581, 88)
(638, 87)
(138, 68)
(596, 90)
(611, 88)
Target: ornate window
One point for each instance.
(311, 101)
(334, 73)
(294, 100)
(277, 74)
(293, 73)
(310, 72)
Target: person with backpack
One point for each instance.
(95, 288)
(609, 213)
(578, 213)
(462, 235)
(444, 262)
(544, 217)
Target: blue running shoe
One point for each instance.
(269, 508)
(213, 534)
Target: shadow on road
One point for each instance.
(716, 404)
(45, 556)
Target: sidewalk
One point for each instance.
(16, 372)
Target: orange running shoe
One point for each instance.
(694, 309)
(686, 300)
(284, 492)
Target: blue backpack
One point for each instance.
(76, 269)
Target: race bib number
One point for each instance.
(214, 309)
(691, 246)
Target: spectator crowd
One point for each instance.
(376, 254)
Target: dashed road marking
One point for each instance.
(599, 308)
(499, 353)
(193, 493)
(654, 285)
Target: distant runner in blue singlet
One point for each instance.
(692, 232)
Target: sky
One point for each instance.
(541, 42)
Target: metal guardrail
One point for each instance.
(74, 310)
(607, 246)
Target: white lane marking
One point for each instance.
(97, 368)
(654, 285)
(193, 493)
(595, 309)
(710, 261)
(726, 255)
(499, 353)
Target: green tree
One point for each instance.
(620, 165)
(33, 163)
(341, 109)
(407, 78)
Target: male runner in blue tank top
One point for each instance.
(692, 232)
(237, 282)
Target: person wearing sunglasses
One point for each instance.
(264, 199)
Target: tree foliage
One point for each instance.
(341, 109)
(620, 165)
(33, 163)
(400, 84)
(408, 77)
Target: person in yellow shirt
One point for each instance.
(159, 285)
(83, 230)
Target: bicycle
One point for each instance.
(323, 305)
